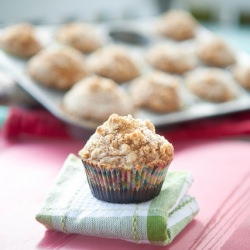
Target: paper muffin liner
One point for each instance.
(125, 184)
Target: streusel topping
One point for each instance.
(20, 40)
(114, 62)
(125, 141)
(81, 36)
(166, 57)
(216, 52)
(177, 24)
(96, 98)
(241, 74)
(157, 91)
(212, 84)
(59, 68)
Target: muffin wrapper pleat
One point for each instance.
(125, 184)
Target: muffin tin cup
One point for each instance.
(125, 184)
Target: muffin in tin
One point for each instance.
(214, 51)
(241, 74)
(59, 68)
(171, 58)
(125, 160)
(20, 40)
(81, 36)
(211, 84)
(177, 24)
(114, 62)
(157, 91)
(96, 98)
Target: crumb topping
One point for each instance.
(59, 68)
(80, 36)
(166, 57)
(97, 98)
(125, 141)
(115, 63)
(157, 91)
(20, 40)
(177, 24)
(211, 84)
(214, 51)
(242, 75)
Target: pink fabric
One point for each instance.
(222, 178)
(36, 123)
(40, 123)
(242, 234)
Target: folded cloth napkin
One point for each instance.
(70, 207)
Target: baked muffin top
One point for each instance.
(57, 68)
(97, 98)
(212, 84)
(125, 141)
(20, 40)
(114, 62)
(171, 58)
(81, 36)
(177, 24)
(241, 74)
(157, 91)
(215, 52)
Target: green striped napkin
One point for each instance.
(70, 207)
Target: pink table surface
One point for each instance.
(221, 170)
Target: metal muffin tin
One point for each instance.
(137, 35)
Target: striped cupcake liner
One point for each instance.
(125, 184)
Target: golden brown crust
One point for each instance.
(215, 52)
(80, 36)
(171, 58)
(20, 40)
(115, 63)
(157, 91)
(241, 74)
(124, 141)
(211, 84)
(178, 25)
(97, 98)
(58, 68)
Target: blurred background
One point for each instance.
(223, 12)
(228, 17)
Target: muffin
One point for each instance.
(80, 36)
(171, 58)
(125, 160)
(58, 68)
(20, 40)
(241, 74)
(114, 62)
(177, 24)
(157, 92)
(96, 98)
(211, 84)
(214, 51)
